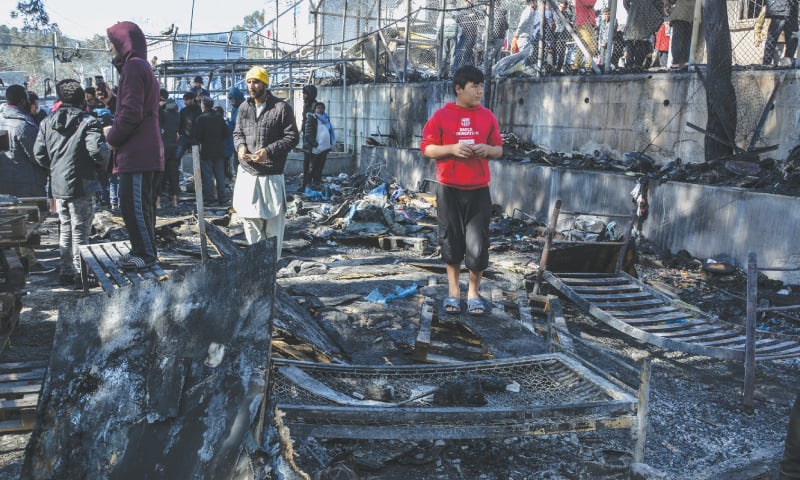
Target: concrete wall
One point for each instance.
(613, 113)
(709, 222)
(616, 114)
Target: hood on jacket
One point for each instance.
(129, 42)
(10, 111)
(236, 95)
(66, 117)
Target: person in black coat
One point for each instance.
(210, 132)
(71, 144)
(309, 102)
(188, 116)
(169, 121)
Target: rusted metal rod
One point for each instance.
(548, 242)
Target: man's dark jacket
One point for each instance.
(71, 143)
(275, 130)
(781, 8)
(189, 116)
(20, 175)
(210, 132)
(169, 121)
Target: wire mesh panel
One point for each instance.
(552, 393)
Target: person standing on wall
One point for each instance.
(135, 137)
(461, 137)
(265, 133)
(319, 137)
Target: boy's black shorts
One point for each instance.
(464, 217)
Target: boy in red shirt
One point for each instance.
(461, 136)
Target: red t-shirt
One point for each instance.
(454, 124)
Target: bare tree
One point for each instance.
(34, 16)
(720, 95)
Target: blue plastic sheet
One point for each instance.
(316, 195)
(375, 296)
(380, 190)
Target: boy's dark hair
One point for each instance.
(16, 95)
(465, 74)
(70, 91)
(163, 93)
(189, 96)
(90, 90)
(208, 103)
(319, 104)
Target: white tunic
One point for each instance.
(258, 196)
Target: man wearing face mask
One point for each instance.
(265, 133)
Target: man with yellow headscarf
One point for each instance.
(264, 135)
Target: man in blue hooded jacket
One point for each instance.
(235, 97)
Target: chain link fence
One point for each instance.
(548, 37)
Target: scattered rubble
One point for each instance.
(368, 236)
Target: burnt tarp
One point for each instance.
(159, 380)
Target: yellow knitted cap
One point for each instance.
(258, 73)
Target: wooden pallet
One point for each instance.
(102, 260)
(12, 273)
(20, 384)
(18, 224)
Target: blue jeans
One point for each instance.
(213, 171)
(75, 217)
(113, 189)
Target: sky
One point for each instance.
(81, 19)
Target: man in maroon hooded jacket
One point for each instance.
(135, 138)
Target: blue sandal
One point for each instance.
(452, 305)
(136, 263)
(477, 307)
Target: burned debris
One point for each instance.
(754, 172)
(129, 394)
(366, 237)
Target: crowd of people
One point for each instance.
(121, 148)
(653, 31)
